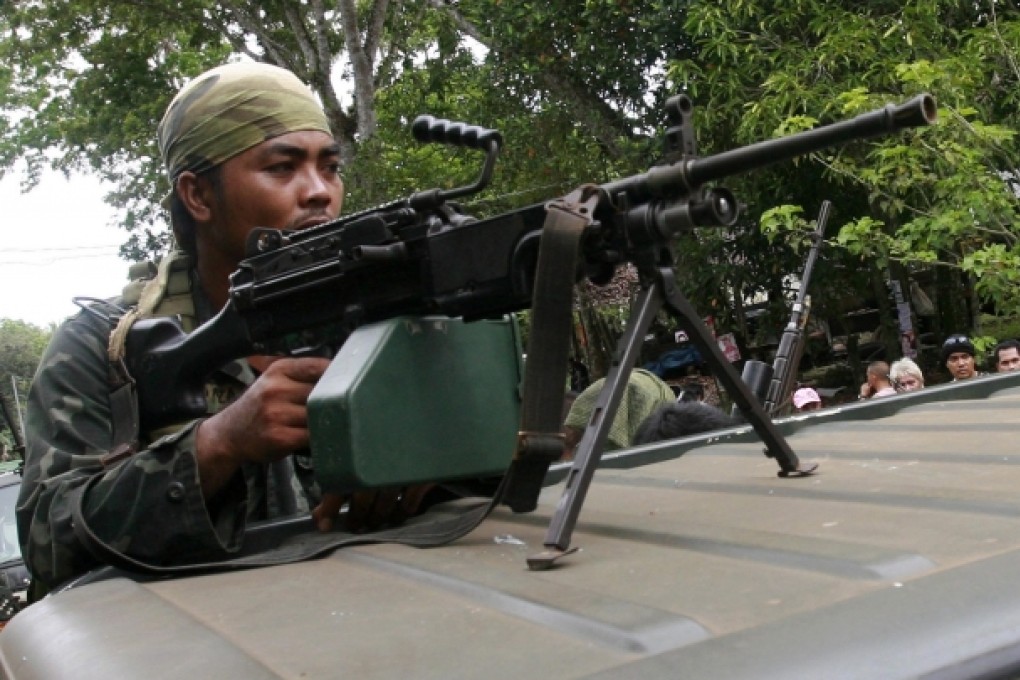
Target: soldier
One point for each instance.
(244, 145)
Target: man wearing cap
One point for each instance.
(244, 145)
(958, 356)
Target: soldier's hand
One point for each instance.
(371, 509)
(266, 423)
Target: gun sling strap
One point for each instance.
(435, 528)
(539, 443)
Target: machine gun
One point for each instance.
(791, 346)
(300, 291)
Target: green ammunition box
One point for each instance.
(417, 399)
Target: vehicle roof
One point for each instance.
(900, 558)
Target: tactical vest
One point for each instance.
(152, 292)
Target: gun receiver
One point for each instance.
(300, 291)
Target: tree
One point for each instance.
(85, 82)
(577, 88)
(100, 74)
(21, 347)
(928, 198)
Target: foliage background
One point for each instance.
(577, 88)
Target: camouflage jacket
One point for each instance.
(150, 506)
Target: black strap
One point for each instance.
(540, 441)
(439, 526)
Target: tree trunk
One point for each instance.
(359, 51)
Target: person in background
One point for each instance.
(806, 399)
(579, 376)
(682, 419)
(645, 392)
(958, 356)
(878, 383)
(906, 375)
(1007, 356)
(691, 390)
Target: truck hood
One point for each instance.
(898, 559)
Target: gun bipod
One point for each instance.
(661, 292)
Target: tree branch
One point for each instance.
(299, 30)
(1005, 48)
(361, 67)
(376, 23)
(601, 120)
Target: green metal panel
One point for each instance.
(417, 399)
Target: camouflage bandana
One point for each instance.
(230, 109)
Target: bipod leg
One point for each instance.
(775, 444)
(593, 441)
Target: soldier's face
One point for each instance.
(961, 365)
(288, 182)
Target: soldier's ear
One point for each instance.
(196, 193)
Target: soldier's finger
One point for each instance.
(303, 369)
(326, 512)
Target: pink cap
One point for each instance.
(805, 395)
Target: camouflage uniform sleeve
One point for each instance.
(149, 506)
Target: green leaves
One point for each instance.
(576, 87)
(21, 347)
(781, 222)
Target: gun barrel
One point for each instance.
(917, 112)
(816, 247)
(665, 181)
